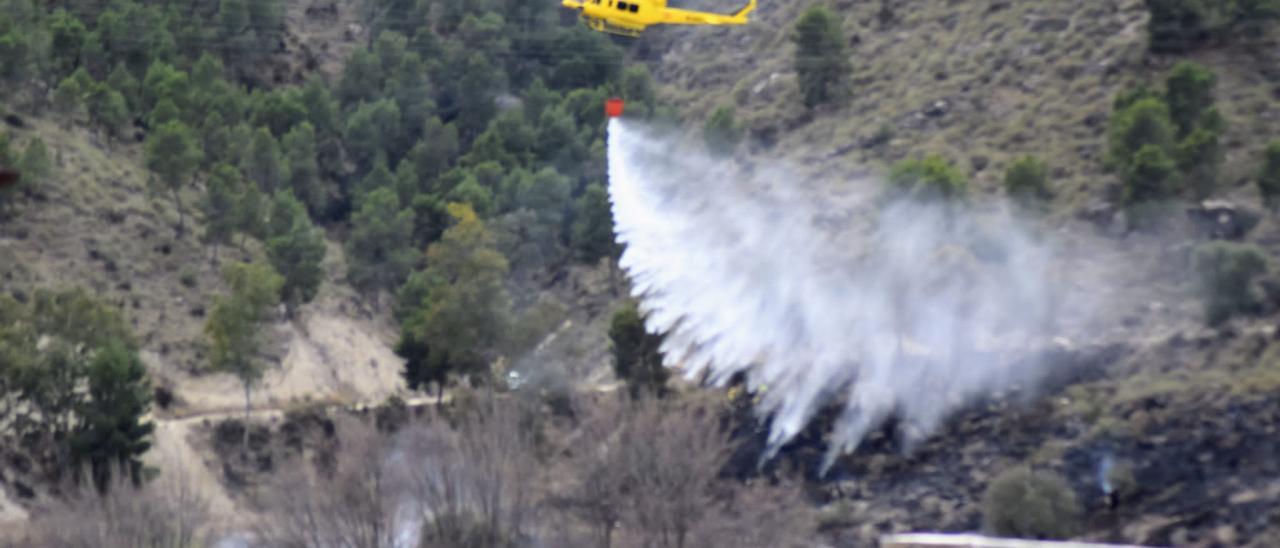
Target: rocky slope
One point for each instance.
(1191, 410)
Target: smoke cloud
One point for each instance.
(830, 292)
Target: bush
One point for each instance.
(1029, 504)
(1027, 179)
(1177, 26)
(1269, 175)
(165, 511)
(930, 178)
(1149, 177)
(1143, 122)
(722, 132)
(821, 62)
(35, 164)
(1227, 273)
(1189, 92)
(1199, 157)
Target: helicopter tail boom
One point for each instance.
(676, 16)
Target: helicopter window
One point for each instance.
(622, 6)
(634, 8)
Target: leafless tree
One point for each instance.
(167, 512)
(350, 501)
(670, 456)
(474, 482)
(596, 491)
(646, 473)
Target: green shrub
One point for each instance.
(1178, 26)
(1269, 175)
(1149, 177)
(1027, 179)
(1199, 158)
(35, 165)
(1189, 93)
(1227, 272)
(821, 61)
(929, 178)
(1143, 122)
(1030, 504)
(722, 132)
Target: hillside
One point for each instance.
(1149, 384)
(980, 82)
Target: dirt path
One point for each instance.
(174, 451)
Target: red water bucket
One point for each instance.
(613, 107)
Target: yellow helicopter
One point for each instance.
(631, 17)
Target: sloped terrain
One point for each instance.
(95, 223)
(1191, 409)
(979, 82)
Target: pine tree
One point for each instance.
(110, 111)
(279, 111)
(299, 146)
(174, 154)
(322, 109)
(123, 81)
(67, 38)
(636, 355)
(821, 59)
(251, 212)
(378, 178)
(380, 250)
(162, 81)
(468, 309)
(216, 137)
(593, 225)
(111, 431)
(68, 97)
(437, 150)
(263, 162)
(236, 325)
(220, 212)
(369, 130)
(296, 249)
(361, 78)
(475, 195)
(165, 111)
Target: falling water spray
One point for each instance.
(885, 307)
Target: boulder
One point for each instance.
(1222, 220)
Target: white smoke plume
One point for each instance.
(890, 306)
